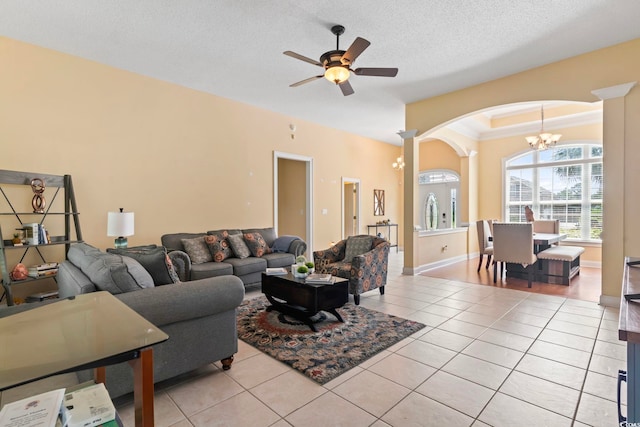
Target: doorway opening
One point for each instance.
(293, 202)
(350, 207)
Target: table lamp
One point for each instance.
(120, 225)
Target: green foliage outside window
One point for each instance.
(564, 183)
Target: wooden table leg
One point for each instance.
(143, 388)
(100, 375)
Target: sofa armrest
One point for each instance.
(164, 305)
(329, 256)
(72, 281)
(298, 247)
(181, 264)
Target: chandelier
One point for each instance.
(544, 140)
(398, 164)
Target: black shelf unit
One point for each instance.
(60, 183)
(389, 227)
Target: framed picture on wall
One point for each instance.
(378, 202)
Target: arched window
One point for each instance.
(563, 183)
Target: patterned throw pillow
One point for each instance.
(219, 246)
(197, 250)
(172, 270)
(239, 247)
(257, 245)
(357, 245)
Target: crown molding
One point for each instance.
(479, 134)
(614, 91)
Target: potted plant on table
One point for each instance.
(302, 267)
(301, 271)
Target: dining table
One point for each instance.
(541, 241)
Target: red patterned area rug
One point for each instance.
(334, 349)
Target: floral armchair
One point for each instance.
(365, 272)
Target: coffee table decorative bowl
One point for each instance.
(291, 295)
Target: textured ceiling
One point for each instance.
(233, 48)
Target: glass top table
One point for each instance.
(83, 332)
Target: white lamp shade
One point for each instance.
(120, 224)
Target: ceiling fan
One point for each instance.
(337, 63)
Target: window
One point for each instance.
(563, 183)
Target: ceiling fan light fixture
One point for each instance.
(337, 63)
(337, 74)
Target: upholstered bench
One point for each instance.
(560, 263)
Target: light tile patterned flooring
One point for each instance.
(488, 356)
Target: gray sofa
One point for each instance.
(199, 316)
(248, 269)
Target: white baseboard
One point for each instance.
(590, 264)
(609, 301)
(431, 266)
(443, 263)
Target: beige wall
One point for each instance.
(182, 160)
(571, 79)
(437, 154)
(442, 246)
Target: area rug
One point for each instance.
(334, 349)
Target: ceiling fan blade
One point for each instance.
(310, 79)
(302, 58)
(381, 72)
(346, 88)
(357, 47)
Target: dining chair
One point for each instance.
(513, 243)
(551, 226)
(485, 246)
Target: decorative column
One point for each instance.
(613, 162)
(410, 236)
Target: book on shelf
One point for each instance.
(45, 266)
(319, 278)
(31, 234)
(43, 270)
(36, 234)
(276, 271)
(41, 410)
(43, 273)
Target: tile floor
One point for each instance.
(488, 356)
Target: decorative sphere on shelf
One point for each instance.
(19, 272)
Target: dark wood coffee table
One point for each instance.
(292, 296)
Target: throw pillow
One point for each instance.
(109, 272)
(154, 259)
(256, 243)
(197, 250)
(239, 247)
(357, 245)
(219, 246)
